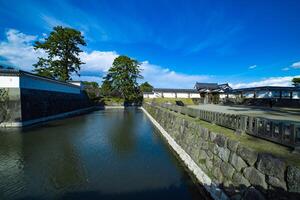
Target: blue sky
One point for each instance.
(245, 43)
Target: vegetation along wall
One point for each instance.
(10, 105)
(242, 172)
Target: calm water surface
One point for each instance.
(110, 154)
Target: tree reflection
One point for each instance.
(122, 136)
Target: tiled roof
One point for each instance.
(214, 87)
(199, 86)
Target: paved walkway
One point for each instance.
(285, 114)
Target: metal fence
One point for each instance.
(283, 132)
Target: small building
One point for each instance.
(267, 92)
(213, 92)
(172, 93)
(26, 98)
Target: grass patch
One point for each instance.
(186, 101)
(113, 101)
(258, 144)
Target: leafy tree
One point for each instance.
(146, 87)
(296, 81)
(122, 77)
(106, 88)
(92, 84)
(62, 47)
(92, 90)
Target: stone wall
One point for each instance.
(240, 171)
(282, 132)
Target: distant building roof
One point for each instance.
(212, 87)
(174, 90)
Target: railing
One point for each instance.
(283, 132)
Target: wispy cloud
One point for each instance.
(51, 22)
(272, 81)
(296, 65)
(285, 69)
(252, 66)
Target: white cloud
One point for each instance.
(296, 65)
(18, 49)
(252, 66)
(285, 69)
(272, 81)
(165, 78)
(98, 61)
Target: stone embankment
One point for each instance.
(241, 172)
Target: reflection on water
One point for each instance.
(108, 154)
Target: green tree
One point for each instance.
(296, 81)
(92, 84)
(92, 90)
(146, 87)
(106, 88)
(62, 47)
(122, 77)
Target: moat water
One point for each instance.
(108, 154)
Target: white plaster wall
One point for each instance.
(149, 96)
(29, 82)
(9, 82)
(182, 95)
(195, 95)
(169, 95)
(232, 96)
(223, 96)
(157, 95)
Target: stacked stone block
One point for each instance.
(240, 171)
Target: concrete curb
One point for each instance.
(114, 107)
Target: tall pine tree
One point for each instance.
(62, 47)
(123, 76)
